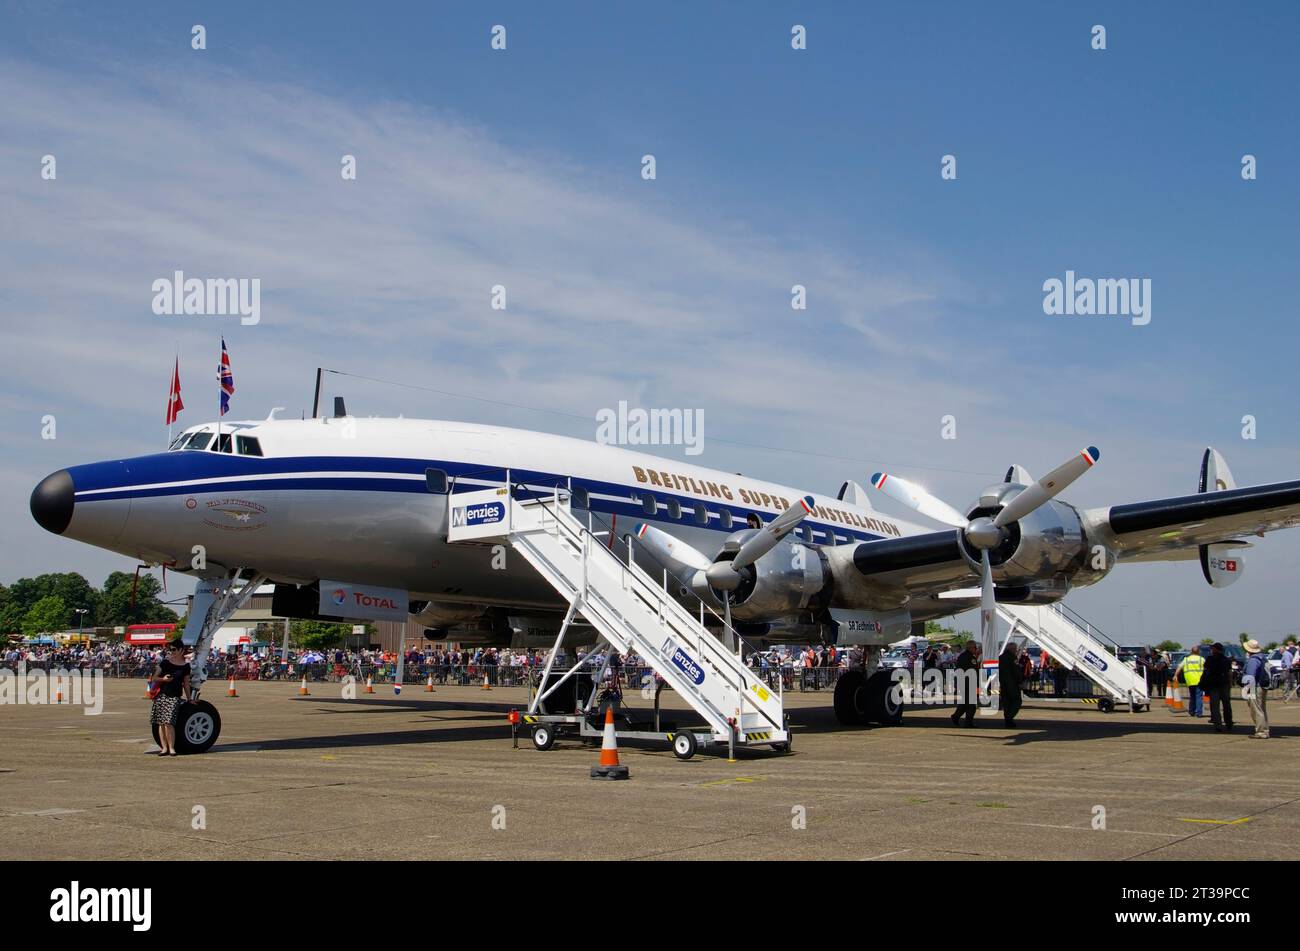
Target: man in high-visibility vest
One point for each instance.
(1191, 668)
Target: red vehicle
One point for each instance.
(150, 635)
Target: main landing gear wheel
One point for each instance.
(197, 727)
(543, 737)
(884, 705)
(684, 745)
(851, 698)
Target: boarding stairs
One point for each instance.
(1077, 644)
(626, 606)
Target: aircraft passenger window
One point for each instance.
(579, 499)
(199, 440)
(724, 518)
(649, 504)
(248, 446)
(701, 514)
(435, 480)
(674, 509)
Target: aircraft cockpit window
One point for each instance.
(198, 441)
(178, 442)
(248, 445)
(435, 480)
(225, 443)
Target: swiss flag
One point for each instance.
(174, 404)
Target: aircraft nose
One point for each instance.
(52, 501)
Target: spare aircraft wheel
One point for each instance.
(197, 727)
(543, 736)
(684, 745)
(884, 704)
(851, 698)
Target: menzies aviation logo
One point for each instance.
(682, 661)
(1088, 657)
(488, 513)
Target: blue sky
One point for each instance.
(775, 167)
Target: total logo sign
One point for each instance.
(342, 599)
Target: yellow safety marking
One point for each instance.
(750, 737)
(737, 779)
(329, 757)
(761, 691)
(1218, 822)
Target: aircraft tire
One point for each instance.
(851, 698)
(882, 707)
(197, 727)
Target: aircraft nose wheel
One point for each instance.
(197, 727)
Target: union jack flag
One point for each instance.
(226, 379)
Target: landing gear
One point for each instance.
(197, 727)
(860, 700)
(851, 698)
(884, 703)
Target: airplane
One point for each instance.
(348, 518)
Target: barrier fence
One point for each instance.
(1067, 684)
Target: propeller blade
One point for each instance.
(917, 499)
(674, 554)
(1048, 486)
(988, 606)
(767, 537)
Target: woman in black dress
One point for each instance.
(172, 676)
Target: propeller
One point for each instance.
(707, 576)
(725, 575)
(987, 533)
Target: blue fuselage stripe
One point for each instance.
(207, 472)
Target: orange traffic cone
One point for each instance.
(486, 685)
(609, 767)
(231, 691)
(147, 685)
(428, 684)
(1171, 700)
(302, 689)
(370, 686)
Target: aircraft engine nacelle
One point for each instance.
(779, 584)
(1048, 542)
(443, 613)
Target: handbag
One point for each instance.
(154, 690)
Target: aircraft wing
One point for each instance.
(921, 567)
(1166, 529)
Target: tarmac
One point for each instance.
(434, 776)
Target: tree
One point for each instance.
(46, 616)
(318, 635)
(1169, 646)
(115, 602)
